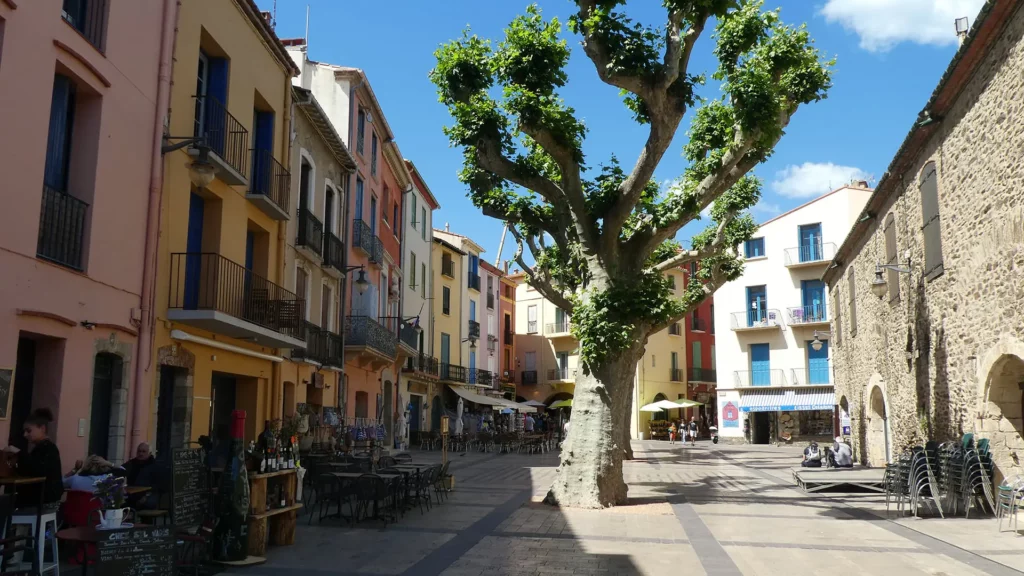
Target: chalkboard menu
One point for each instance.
(189, 496)
(136, 552)
(6, 381)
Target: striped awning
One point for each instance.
(787, 400)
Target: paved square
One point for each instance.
(710, 509)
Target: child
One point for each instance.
(672, 433)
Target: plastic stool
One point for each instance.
(39, 532)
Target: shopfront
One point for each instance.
(787, 414)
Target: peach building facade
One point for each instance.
(77, 164)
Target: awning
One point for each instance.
(787, 400)
(476, 398)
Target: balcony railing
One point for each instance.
(677, 374)
(334, 252)
(473, 281)
(362, 237)
(557, 327)
(208, 282)
(316, 349)
(703, 375)
(760, 377)
(311, 232)
(490, 300)
(698, 324)
(453, 372)
(756, 319)
(529, 377)
(225, 136)
(408, 335)
(814, 314)
(817, 376)
(89, 17)
(61, 229)
(492, 342)
(335, 350)
(559, 374)
(270, 180)
(814, 253)
(531, 327)
(368, 332)
(674, 329)
(488, 379)
(377, 252)
(474, 329)
(423, 364)
(448, 268)
(509, 337)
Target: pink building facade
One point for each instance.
(78, 112)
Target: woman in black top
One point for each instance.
(41, 458)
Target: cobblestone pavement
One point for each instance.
(717, 510)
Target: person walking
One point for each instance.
(693, 430)
(672, 432)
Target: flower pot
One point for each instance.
(113, 518)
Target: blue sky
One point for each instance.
(890, 54)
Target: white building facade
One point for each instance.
(473, 349)
(417, 232)
(772, 343)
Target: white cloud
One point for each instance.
(766, 209)
(882, 24)
(814, 178)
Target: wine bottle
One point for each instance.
(231, 535)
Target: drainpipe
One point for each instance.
(277, 378)
(141, 390)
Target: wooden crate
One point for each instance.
(276, 526)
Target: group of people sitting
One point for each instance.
(841, 455)
(41, 459)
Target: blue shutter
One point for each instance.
(760, 365)
(817, 364)
(194, 248)
(216, 105)
(373, 215)
(263, 146)
(472, 367)
(757, 304)
(58, 144)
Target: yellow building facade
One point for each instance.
(224, 318)
(445, 326)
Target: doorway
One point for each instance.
(106, 377)
(435, 414)
(224, 391)
(24, 377)
(761, 429)
(165, 411)
(415, 416)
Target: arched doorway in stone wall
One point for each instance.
(878, 448)
(1002, 414)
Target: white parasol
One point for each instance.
(458, 418)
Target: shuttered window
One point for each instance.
(929, 186)
(838, 335)
(891, 257)
(852, 289)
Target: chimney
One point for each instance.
(267, 17)
(506, 267)
(860, 183)
(962, 28)
(447, 228)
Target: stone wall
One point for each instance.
(938, 361)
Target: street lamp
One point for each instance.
(817, 344)
(878, 285)
(361, 282)
(200, 171)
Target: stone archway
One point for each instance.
(172, 411)
(876, 413)
(116, 439)
(1000, 416)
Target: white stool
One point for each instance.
(39, 533)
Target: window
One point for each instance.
(531, 320)
(675, 360)
(423, 224)
(697, 354)
(394, 218)
(852, 289)
(891, 258)
(387, 200)
(373, 215)
(58, 145)
(263, 180)
(362, 404)
(446, 301)
(754, 248)
(423, 283)
(360, 130)
(326, 300)
(712, 319)
(302, 287)
(413, 212)
(359, 202)
(373, 154)
(412, 270)
(88, 17)
(837, 337)
(693, 270)
(671, 282)
(695, 323)
(932, 229)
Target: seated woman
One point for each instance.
(85, 477)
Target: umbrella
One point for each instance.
(666, 405)
(534, 403)
(684, 403)
(458, 418)
(651, 408)
(561, 404)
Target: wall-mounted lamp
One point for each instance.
(200, 170)
(817, 343)
(879, 286)
(362, 284)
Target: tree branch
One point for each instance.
(490, 158)
(598, 54)
(718, 278)
(687, 256)
(541, 280)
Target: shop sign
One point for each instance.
(730, 416)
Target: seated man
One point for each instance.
(812, 456)
(143, 471)
(842, 454)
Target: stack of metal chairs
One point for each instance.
(952, 477)
(913, 480)
(968, 469)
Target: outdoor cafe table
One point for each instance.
(355, 475)
(132, 490)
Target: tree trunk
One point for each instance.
(590, 473)
(625, 416)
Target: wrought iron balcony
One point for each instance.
(209, 291)
(453, 372)
(423, 364)
(561, 374)
(268, 188)
(316, 349)
(334, 252)
(474, 329)
(529, 377)
(676, 374)
(760, 377)
(62, 229)
(488, 379)
(802, 315)
(703, 375)
(335, 350)
(818, 375)
(760, 319)
(364, 239)
(408, 336)
(812, 254)
(89, 18)
(311, 234)
(227, 139)
(473, 281)
(448, 268)
(675, 329)
(364, 332)
(698, 324)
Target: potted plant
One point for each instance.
(112, 494)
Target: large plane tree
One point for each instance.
(602, 236)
